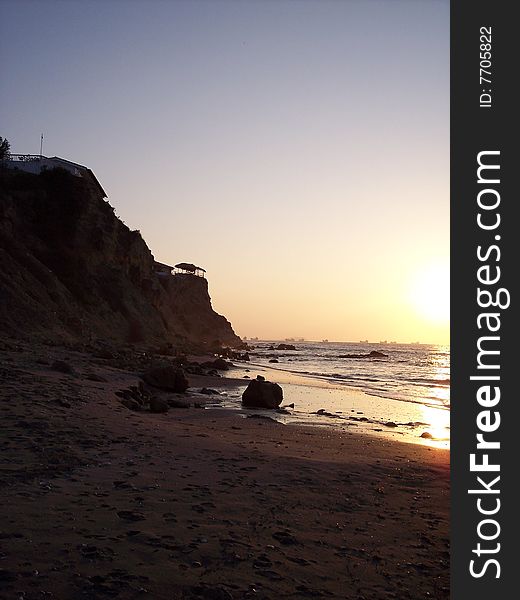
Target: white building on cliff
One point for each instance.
(35, 163)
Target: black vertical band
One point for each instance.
(484, 131)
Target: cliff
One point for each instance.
(70, 269)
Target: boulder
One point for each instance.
(262, 394)
(324, 413)
(273, 360)
(169, 378)
(219, 363)
(158, 405)
(285, 347)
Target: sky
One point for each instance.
(297, 150)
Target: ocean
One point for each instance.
(404, 393)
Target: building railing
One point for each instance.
(26, 157)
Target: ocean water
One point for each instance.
(409, 372)
(404, 394)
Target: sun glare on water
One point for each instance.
(429, 293)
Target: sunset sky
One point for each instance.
(297, 150)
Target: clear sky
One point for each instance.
(297, 150)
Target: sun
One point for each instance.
(429, 292)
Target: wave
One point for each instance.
(415, 374)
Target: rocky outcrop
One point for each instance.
(286, 347)
(262, 394)
(71, 270)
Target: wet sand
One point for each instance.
(102, 502)
(342, 407)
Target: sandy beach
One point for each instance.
(102, 502)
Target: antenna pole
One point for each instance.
(41, 145)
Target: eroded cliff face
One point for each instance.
(70, 269)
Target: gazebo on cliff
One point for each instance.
(188, 269)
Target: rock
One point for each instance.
(262, 394)
(285, 347)
(218, 364)
(221, 365)
(158, 405)
(427, 435)
(63, 367)
(131, 404)
(372, 354)
(260, 378)
(169, 378)
(291, 405)
(208, 391)
(324, 413)
(273, 360)
(390, 424)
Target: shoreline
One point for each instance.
(100, 501)
(354, 403)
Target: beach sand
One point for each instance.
(102, 502)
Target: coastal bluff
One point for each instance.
(71, 270)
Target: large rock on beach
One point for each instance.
(262, 394)
(168, 378)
